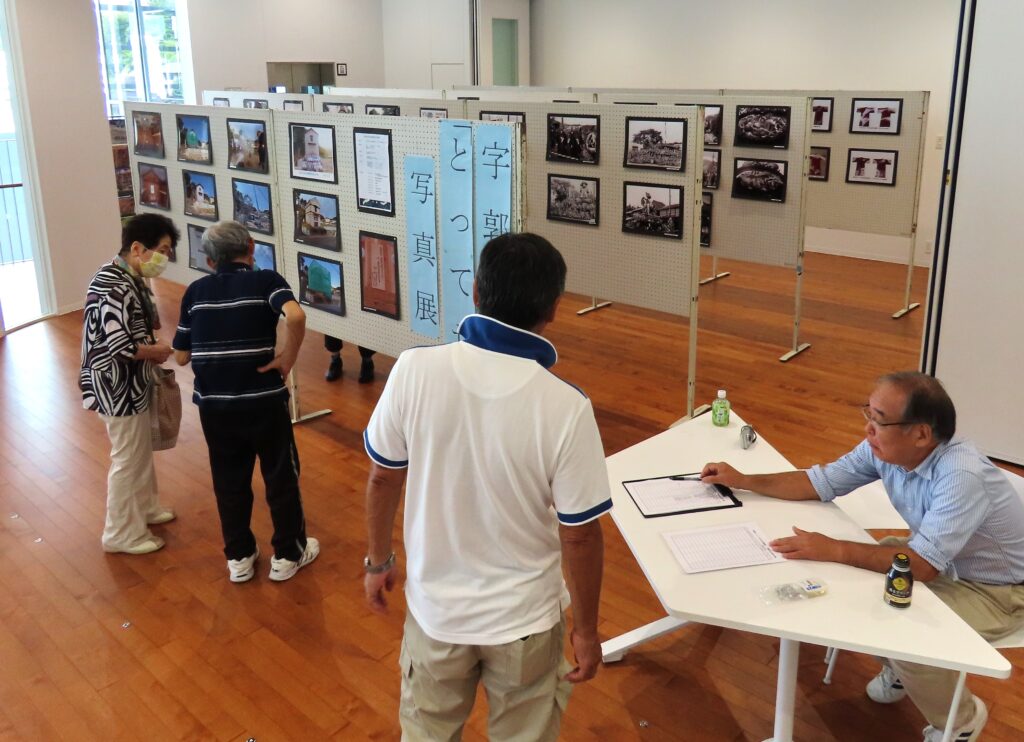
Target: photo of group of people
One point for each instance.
(572, 199)
(653, 209)
(574, 138)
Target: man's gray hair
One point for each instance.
(226, 242)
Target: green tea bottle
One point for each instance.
(720, 410)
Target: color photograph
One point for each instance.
(194, 139)
(821, 114)
(652, 209)
(378, 274)
(313, 152)
(254, 103)
(222, 102)
(655, 143)
(762, 126)
(817, 163)
(149, 135)
(252, 205)
(712, 168)
(876, 116)
(196, 254)
(574, 138)
(760, 180)
(872, 166)
(200, 195)
(572, 199)
(247, 145)
(264, 258)
(320, 284)
(316, 220)
(153, 188)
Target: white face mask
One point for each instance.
(154, 266)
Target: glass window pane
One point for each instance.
(119, 37)
(163, 53)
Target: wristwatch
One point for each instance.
(376, 569)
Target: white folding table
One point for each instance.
(851, 616)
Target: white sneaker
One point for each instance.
(885, 687)
(163, 515)
(151, 544)
(285, 569)
(966, 733)
(242, 570)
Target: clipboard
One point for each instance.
(654, 496)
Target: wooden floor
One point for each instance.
(163, 647)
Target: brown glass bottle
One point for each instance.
(899, 582)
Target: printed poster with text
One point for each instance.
(456, 223)
(421, 225)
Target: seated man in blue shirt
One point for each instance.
(228, 329)
(966, 523)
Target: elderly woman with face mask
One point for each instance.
(119, 348)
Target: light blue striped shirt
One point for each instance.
(965, 517)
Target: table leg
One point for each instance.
(947, 735)
(785, 690)
(615, 649)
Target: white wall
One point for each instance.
(61, 99)
(426, 44)
(232, 40)
(837, 44)
(518, 10)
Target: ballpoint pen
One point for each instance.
(685, 478)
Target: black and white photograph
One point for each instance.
(264, 256)
(511, 116)
(316, 220)
(574, 138)
(321, 284)
(148, 134)
(817, 163)
(194, 139)
(872, 166)
(762, 126)
(222, 102)
(253, 209)
(706, 202)
(247, 145)
(655, 143)
(255, 103)
(876, 115)
(379, 109)
(196, 254)
(821, 113)
(293, 105)
(375, 186)
(313, 152)
(338, 107)
(712, 123)
(760, 180)
(572, 199)
(712, 168)
(433, 113)
(652, 209)
(200, 195)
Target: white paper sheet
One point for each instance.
(664, 495)
(721, 547)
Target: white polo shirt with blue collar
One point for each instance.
(499, 452)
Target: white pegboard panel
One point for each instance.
(604, 261)
(275, 101)
(407, 106)
(409, 136)
(428, 93)
(179, 271)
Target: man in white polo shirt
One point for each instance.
(505, 479)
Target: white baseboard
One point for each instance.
(865, 246)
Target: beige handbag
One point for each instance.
(165, 409)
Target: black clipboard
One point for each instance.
(722, 489)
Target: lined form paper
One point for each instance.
(721, 547)
(665, 495)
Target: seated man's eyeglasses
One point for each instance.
(865, 410)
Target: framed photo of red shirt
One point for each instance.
(378, 273)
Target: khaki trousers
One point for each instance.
(131, 482)
(992, 610)
(526, 692)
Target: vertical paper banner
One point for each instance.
(421, 237)
(456, 223)
(493, 165)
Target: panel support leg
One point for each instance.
(797, 347)
(907, 306)
(594, 305)
(293, 402)
(715, 275)
(615, 649)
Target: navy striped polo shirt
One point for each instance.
(229, 323)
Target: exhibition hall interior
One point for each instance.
(301, 233)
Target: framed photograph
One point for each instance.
(200, 195)
(149, 134)
(194, 139)
(513, 116)
(374, 109)
(821, 113)
(876, 115)
(712, 123)
(313, 152)
(222, 102)
(712, 168)
(706, 201)
(196, 254)
(872, 166)
(378, 274)
(321, 284)
(574, 138)
(648, 208)
(433, 113)
(121, 159)
(316, 220)
(760, 180)
(762, 126)
(252, 205)
(293, 105)
(655, 143)
(118, 131)
(572, 199)
(264, 256)
(375, 185)
(255, 103)
(817, 163)
(341, 69)
(247, 145)
(338, 108)
(153, 189)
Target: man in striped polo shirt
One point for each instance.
(966, 530)
(228, 329)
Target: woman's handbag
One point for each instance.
(165, 409)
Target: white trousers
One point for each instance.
(131, 483)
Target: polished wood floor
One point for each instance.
(163, 647)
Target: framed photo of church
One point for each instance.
(821, 113)
(872, 166)
(153, 188)
(378, 274)
(312, 152)
(375, 185)
(316, 220)
(876, 116)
